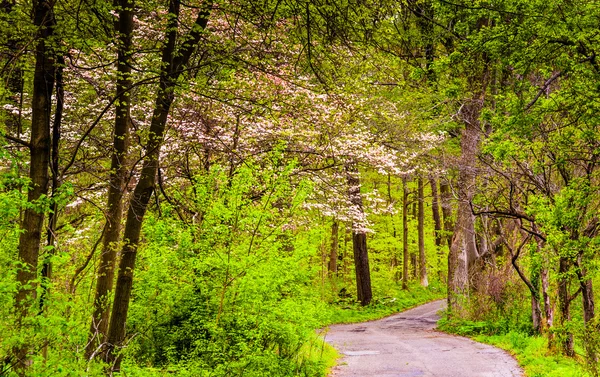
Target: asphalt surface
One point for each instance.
(406, 345)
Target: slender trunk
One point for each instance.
(404, 233)
(54, 168)
(437, 223)
(117, 183)
(173, 62)
(333, 254)
(359, 238)
(39, 152)
(421, 231)
(590, 331)
(446, 197)
(532, 284)
(564, 305)
(394, 252)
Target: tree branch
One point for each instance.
(17, 140)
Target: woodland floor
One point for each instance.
(407, 345)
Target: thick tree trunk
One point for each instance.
(405, 255)
(359, 238)
(173, 62)
(333, 253)
(39, 152)
(117, 183)
(437, 224)
(463, 252)
(548, 310)
(421, 231)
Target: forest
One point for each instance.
(199, 187)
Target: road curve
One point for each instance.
(406, 345)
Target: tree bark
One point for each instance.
(437, 224)
(448, 223)
(54, 168)
(359, 238)
(405, 255)
(117, 182)
(564, 305)
(421, 232)
(39, 153)
(587, 296)
(463, 251)
(333, 254)
(173, 62)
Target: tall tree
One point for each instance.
(39, 160)
(421, 233)
(359, 237)
(118, 178)
(174, 61)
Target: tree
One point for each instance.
(117, 181)
(174, 60)
(39, 152)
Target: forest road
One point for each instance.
(407, 345)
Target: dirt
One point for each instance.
(407, 345)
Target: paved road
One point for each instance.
(406, 345)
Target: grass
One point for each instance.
(531, 352)
(533, 355)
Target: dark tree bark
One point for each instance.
(117, 182)
(587, 297)
(421, 232)
(437, 223)
(405, 255)
(333, 254)
(173, 62)
(39, 153)
(564, 306)
(359, 239)
(54, 169)
(536, 312)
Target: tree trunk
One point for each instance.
(590, 331)
(333, 254)
(421, 231)
(548, 310)
(564, 305)
(448, 223)
(437, 223)
(359, 238)
(117, 183)
(54, 168)
(463, 251)
(173, 62)
(394, 252)
(405, 256)
(39, 152)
